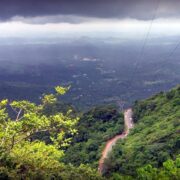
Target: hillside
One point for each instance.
(155, 137)
(44, 142)
(94, 128)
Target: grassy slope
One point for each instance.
(155, 137)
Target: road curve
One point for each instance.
(128, 120)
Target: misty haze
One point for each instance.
(99, 70)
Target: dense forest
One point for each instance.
(94, 128)
(52, 140)
(155, 138)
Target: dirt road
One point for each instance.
(128, 120)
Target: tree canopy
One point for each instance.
(22, 155)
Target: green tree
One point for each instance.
(169, 171)
(22, 155)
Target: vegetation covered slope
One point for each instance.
(149, 152)
(24, 157)
(94, 128)
(169, 171)
(155, 137)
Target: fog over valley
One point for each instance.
(99, 69)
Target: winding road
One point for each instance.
(128, 120)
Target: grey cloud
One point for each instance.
(75, 11)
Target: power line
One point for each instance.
(148, 32)
(145, 41)
(171, 53)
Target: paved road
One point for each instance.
(128, 120)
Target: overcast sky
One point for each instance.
(45, 17)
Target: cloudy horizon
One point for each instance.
(44, 18)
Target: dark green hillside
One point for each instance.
(155, 137)
(94, 129)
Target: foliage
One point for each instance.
(30, 120)
(94, 129)
(83, 172)
(33, 139)
(23, 156)
(169, 171)
(155, 137)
